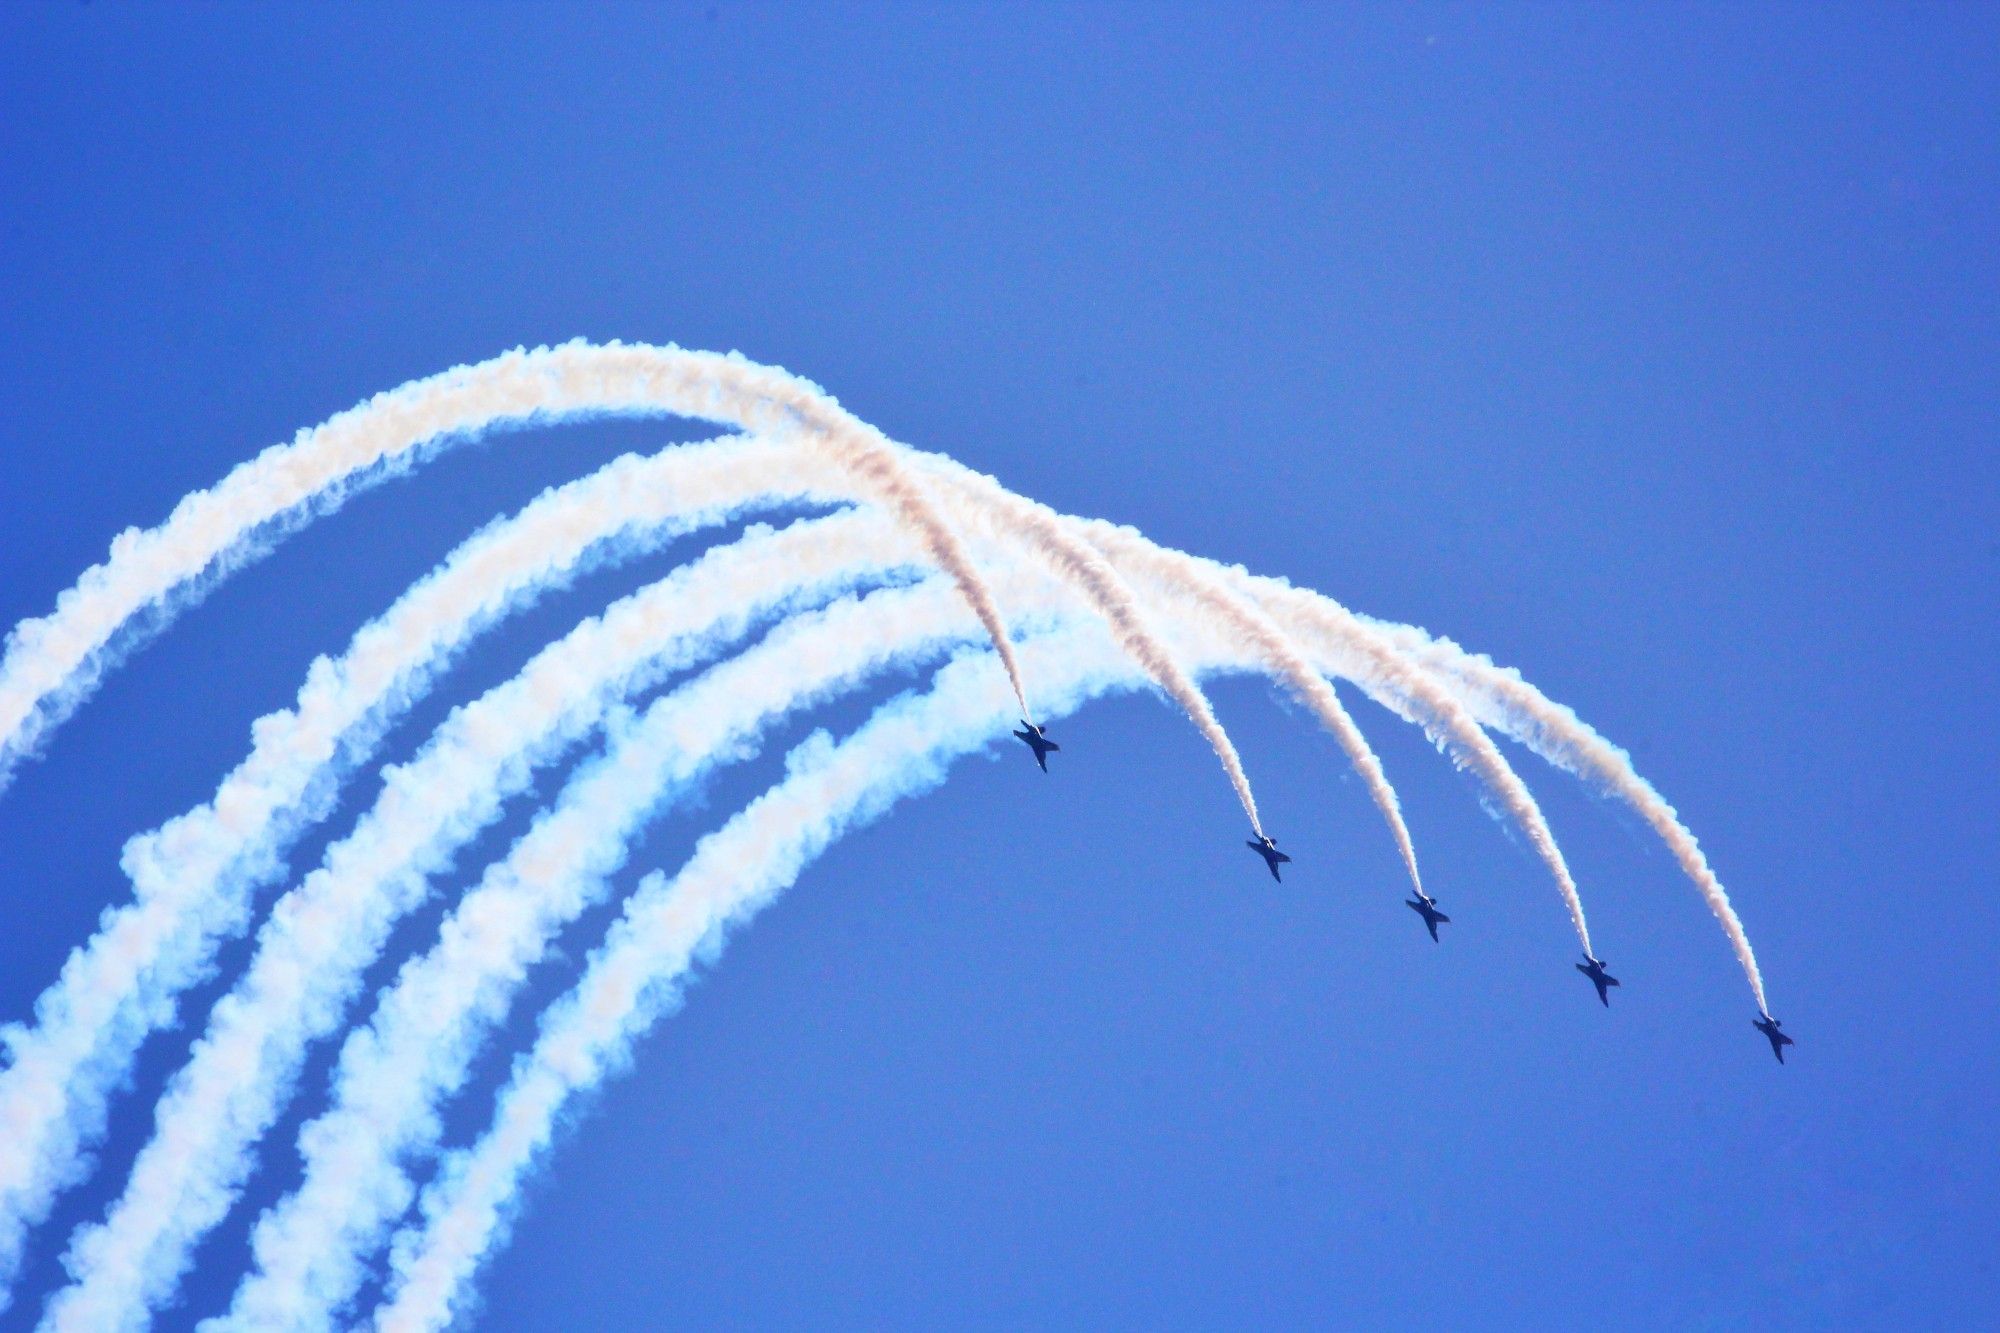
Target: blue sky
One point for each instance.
(1654, 350)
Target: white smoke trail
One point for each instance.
(1370, 656)
(668, 925)
(309, 1250)
(1201, 587)
(1281, 655)
(1084, 568)
(77, 1129)
(1370, 660)
(52, 663)
(1360, 652)
(981, 503)
(322, 933)
(194, 877)
(1450, 692)
(1510, 705)
(312, 1248)
(1263, 635)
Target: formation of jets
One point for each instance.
(1425, 906)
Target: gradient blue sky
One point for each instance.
(1654, 350)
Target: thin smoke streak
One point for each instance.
(1370, 660)
(1505, 701)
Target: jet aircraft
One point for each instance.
(1426, 907)
(1037, 740)
(1267, 849)
(1599, 978)
(1769, 1027)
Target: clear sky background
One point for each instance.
(1654, 350)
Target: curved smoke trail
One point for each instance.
(195, 875)
(1370, 659)
(980, 502)
(52, 663)
(308, 1250)
(1510, 705)
(668, 925)
(322, 933)
(583, 523)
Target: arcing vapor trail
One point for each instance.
(1368, 658)
(195, 891)
(322, 933)
(667, 925)
(1348, 632)
(979, 500)
(52, 663)
(1082, 566)
(1277, 651)
(635, 976)
(1510, 705)
(195, 875)
(310, 1248)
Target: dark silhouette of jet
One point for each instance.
(1273, 858)
(1426, 907)
(1037, 740)
(1599, 978)
(1769, 1027)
